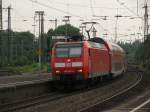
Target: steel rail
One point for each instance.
(31, 102)
(24, 83)
(113, 96)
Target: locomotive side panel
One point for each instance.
(85, 60)
(99, 62)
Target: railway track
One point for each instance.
(6, 72)
(49, 97)
(86, 98)
(131, 100)
(91, 99)
(11, 107)
(106, 103)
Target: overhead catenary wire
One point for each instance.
(59, 10)
(66, 12)
(145, 1)
(18, 17)
(92, 9)
(87, 6)
(131, 11)
(50, 6)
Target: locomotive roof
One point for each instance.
(111, 46)
(116, 47)
(69, 42)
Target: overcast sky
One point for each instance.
(79, 9)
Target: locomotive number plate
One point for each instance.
(68, 64)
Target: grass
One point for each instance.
(146, 64)
(11, 70)
(33, 68)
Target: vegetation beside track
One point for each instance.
(138, 52)
(9, 71)
(146, 64)
(24, 49)
(33, 68)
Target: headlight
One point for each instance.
(59, 64)
(79, 70)
(77, 64)
(57, 71)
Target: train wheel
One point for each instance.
(110, 76)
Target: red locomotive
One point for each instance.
(83, 60)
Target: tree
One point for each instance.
(62, 30)
(143, 51)
(21, 48)
(50, 33)
(130, 49)
(66, 30)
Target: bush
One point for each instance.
(29, 68)
(32, 68)
(20, 61)
(146, 64)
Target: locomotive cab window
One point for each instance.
(75, 52)
(72, 50)
(61, 52)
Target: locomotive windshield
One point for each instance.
(68, 50)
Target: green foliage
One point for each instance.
(67, 30)
(22, 60)
(146, 64)
(33, 68)
(21, 48)
(63, 30)
(130, 49)
(138, 52)
(29, 68)
(12, 70)
(50, 33)
(143, 51)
